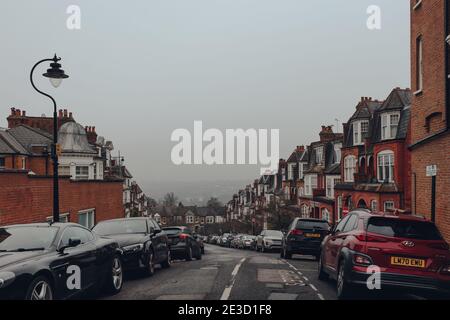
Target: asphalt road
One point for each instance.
(231, 274)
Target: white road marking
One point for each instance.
(320, 296)
(313, 287)
(227, 291)
(306, 279)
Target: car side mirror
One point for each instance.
(156, 231)
(73, 242)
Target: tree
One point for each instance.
(214, 203)
(170, 200)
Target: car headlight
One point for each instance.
(134, 248)
(6, 278)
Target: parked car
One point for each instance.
(182, 244)
(248, 242)
(269, 240)
(141, 240)
(409, 251)
(36, 261)
(213, 239)
(200, 241)
(225, 240)
(304, 236)
(235, 243)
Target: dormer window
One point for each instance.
(389, 125)
(319, 155)
(360, 131)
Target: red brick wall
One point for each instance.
(428, 21)
(25, 199)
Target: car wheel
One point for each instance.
(321, 274)
(282, 253)
(114, 280)
(40, 289)
(287, 254)
(150, 268)
(168, 262)
(203, 250)
(342, 286)
(262, 248)
(189, 254)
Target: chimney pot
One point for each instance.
(70, 115)
(24, 113)
(65, 113)
(13, 111)
(60, 113)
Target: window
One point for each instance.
(64, 171)
(374, 205)
(331, 182)
(341, 225)
(339, 207)
(319, 154)
(337, 152)
(305, 211)
(326, 214)
(190, 219)
(76, 233)
(386, 166)
(24, 163)
(63, 218)
(300, 170)
(82, 173)
(349, 169)
(310, 184)
(389, 206)
(2, 162)
(209, 220)
(351, 224)
(291, 171)
(360, 131)
(389, 125)
(87, 218)
(419, 64)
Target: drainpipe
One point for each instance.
(447, 71)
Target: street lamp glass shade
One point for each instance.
(55, 74)
(56, 82)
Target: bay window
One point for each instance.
(386, 166)
(349, 168)
(389, 125)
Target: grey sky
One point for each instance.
(140, 69)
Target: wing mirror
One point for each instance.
(73, 242)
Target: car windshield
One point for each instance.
(312, 224)
(121, 227)
(172, 230)
(274, 233)
(26, 238)
(421, 230)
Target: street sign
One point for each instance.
(432, 170)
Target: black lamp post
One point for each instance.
(56, 75)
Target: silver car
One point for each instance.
(269, 240)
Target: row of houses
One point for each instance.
(393, 154)
(94, 185)
(194, 217)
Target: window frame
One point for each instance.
(381, 166)
(90, 220)
(349, 171)
(80, 176)
(358, 134)
(387, 125)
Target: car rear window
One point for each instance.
(312, 224)
(172, 230)
(420, 230)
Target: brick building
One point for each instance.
(375, 156)
(430, 110)
(321, 174)
(26, 184)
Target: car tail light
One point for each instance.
(369, 238)
(439, 246)
(184, 236)
(296, 232)
(362, 260)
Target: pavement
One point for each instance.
(232, 274)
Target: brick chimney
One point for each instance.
(300, 148)
(91, 135)
(19, 117)
(327, 134)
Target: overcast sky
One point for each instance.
(143, 68)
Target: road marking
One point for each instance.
(227, 291)
(320, 296)
(306, 279)
(313, 287)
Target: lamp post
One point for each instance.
(55, 75)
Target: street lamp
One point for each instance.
(55, 75)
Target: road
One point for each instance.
(231, 274)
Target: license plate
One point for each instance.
(312, 235)
(408, 262)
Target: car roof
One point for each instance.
(125, 219)
(391, 215)
(43, 225)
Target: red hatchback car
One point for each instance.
(408, 250)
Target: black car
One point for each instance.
(182, 243)
(304, 236)
(141, 240)
(56, 261)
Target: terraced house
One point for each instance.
(375, 157)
